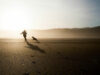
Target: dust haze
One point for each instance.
(92, 32)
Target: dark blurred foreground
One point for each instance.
(50, 57)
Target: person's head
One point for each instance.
(24, 30)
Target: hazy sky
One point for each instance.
(43, 14)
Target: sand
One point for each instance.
(50, 57)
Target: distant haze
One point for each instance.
(56, 33)
(46, 14)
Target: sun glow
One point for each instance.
(15, 19)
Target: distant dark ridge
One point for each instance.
(96, 27)
(88, 32)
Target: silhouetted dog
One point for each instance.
(35, 39)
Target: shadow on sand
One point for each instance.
(34, 47)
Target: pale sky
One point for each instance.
(45, 14)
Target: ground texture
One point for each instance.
(50, 57)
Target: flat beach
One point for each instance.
(50, 57)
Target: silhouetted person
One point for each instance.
(24, 35)
(35, 39)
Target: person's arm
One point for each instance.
(21, 33)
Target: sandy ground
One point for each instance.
(50, 57)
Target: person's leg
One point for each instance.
(25, 39)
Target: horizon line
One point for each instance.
(55, 28)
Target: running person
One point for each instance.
(24, 35)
